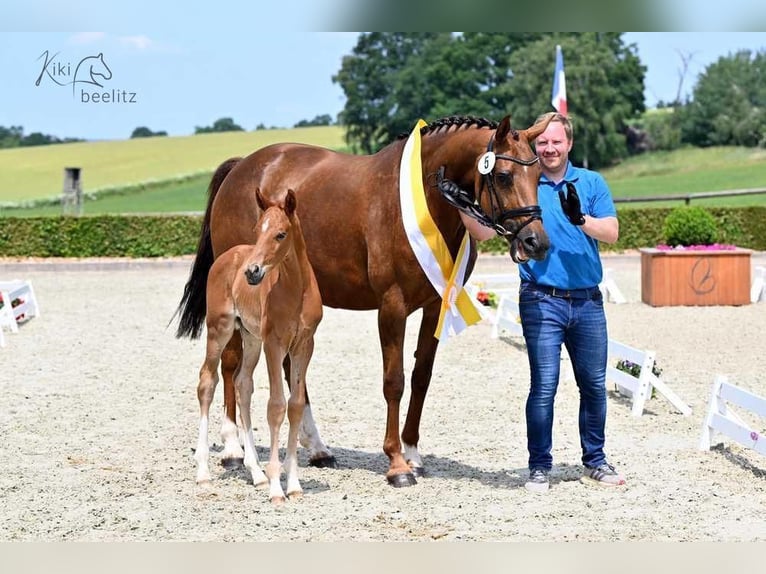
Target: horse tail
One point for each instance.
(193, 305)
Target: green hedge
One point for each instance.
(99, 236)
(167, 236)
(742, 226)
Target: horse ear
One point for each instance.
(290, 203)
(534, 131)
(503, 129)
(259, 199)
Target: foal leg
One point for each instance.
(392, 321)
(219, 331)
(319, 453)
(300, 356)
(275, 414)
(208, 379)
(421, 378)
(243, 381)
(232, 455)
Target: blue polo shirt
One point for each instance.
(573, 260)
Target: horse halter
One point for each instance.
(465, 202)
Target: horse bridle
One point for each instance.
(465, 202)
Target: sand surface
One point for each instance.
(99, 416)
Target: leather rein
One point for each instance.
(465, 202)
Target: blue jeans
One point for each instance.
(580, 324)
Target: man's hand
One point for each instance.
(571, 205)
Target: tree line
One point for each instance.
(392, 79)
(13, 136)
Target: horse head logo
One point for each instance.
(91, 70)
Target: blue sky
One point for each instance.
(179, 78)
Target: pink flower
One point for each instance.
(711, 247)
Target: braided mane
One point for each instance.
(453, 121)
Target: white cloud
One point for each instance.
(87, 37)
(137, 42)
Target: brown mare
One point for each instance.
(351, 217)
(268, 293)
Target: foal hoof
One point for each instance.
(324, 462)
(232, 463)
(402, 480)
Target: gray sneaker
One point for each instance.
(603, 475)
(538, 480)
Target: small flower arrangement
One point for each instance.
(711, 247)
(487, 298)
(15, 303)
(634, 369)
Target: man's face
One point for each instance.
(553, 147)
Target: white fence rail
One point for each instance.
(722, 419)
(11, 316)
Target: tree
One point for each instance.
(144, 132)
(728, 104)
(605, 84)
(368, 79)
(393, 79)
(11, 137)
(220, 125)
(323, 120)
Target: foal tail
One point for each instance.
(193, 303)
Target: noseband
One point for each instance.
(465, 202)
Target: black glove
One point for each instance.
(571, 205)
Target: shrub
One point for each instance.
(690, 225)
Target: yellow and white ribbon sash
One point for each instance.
(447, 277)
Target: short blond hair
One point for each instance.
(557, 117)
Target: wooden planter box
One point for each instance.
(690, 277)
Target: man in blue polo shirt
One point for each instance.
(560, 302)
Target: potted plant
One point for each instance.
(691, 267)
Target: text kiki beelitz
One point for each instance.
(89, 73)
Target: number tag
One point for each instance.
(486, 163)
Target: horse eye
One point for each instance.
(504, 177)
(281, 235)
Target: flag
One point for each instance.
(559, 95)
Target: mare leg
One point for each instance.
(319, 453)
(243, 381)
(421, 378)
(275, 414)
(392, 321)
(232, 455)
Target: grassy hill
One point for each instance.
(691, 170)
(37, 172)
(32, 173)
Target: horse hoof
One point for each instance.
(402, 480)
(232, 463)
(418, 471)
(278, 501)
(324, 462)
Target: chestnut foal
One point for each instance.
(268, 291)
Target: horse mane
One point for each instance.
(453, 121)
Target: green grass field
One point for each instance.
(124, 162)
(692, 170)
(38, 172)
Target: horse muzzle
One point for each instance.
(255, 274)
(528, 245)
